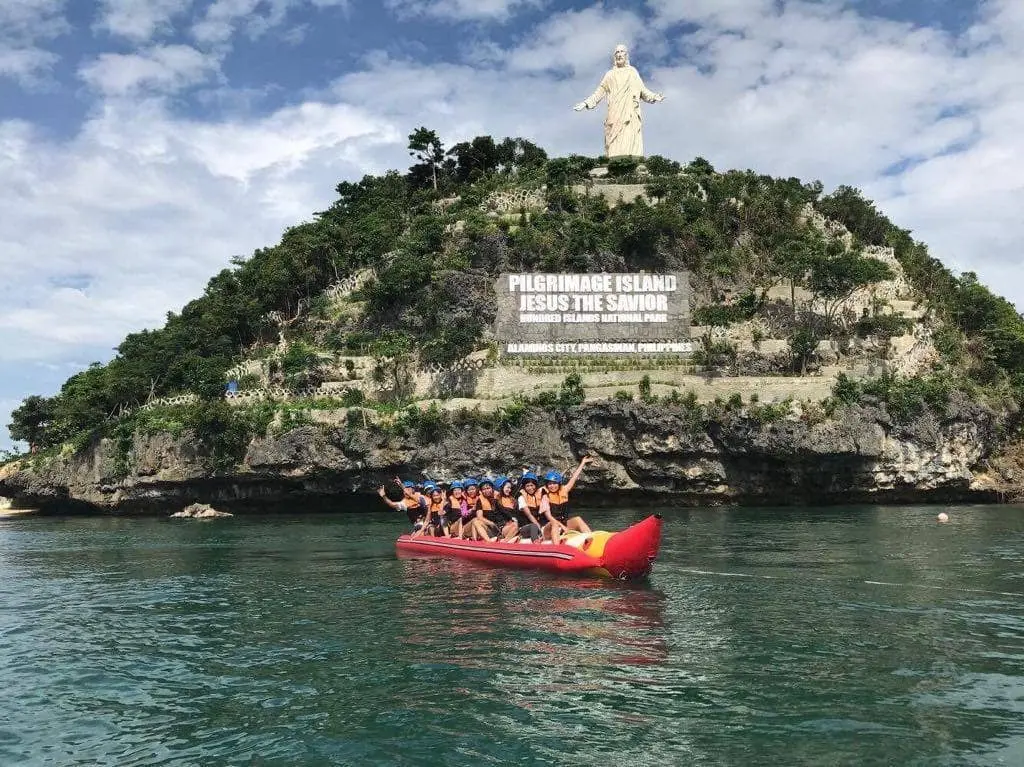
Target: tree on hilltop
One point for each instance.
(849, 207)
(518, 154)
(475, 159)
(29, 423)
(426, 147)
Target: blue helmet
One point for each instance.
(486, 481)
(528, 476)
(471, 482)
(409, 483)
(456, 485)
(430, 487)
(500, 482)
(553, 476)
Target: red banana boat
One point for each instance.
(625, 554)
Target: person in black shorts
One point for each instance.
(501, 517)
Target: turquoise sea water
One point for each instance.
(836, 636)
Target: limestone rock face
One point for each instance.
(642, 450)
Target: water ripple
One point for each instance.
(768, 637)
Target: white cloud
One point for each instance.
(223, 18)
(580, 41)
(32, 19)
(140, 20)
(463, 10)
(25, 64)
(163, 68)
(24, 24)
(720, 14)
(142, 208)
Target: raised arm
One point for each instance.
(584, 461)
(397, 506)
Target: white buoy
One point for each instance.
(943, 517)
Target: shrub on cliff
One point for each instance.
(571, 392)
(904, 398)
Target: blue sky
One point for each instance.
(143, 143)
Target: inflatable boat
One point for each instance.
(625, 554)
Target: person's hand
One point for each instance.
(659, 97)
(580, 107)
(586, 460)
(381, 491)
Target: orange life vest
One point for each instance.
(533, 501)
(559, 503)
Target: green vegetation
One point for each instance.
(904, 398)
(434, 252)
(884, 326)
(645, 390)
(770, 412)
(992, 328)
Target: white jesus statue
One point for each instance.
(625, 90)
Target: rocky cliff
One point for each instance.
(662, 451)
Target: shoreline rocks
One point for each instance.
(646, 454)
(200, 511)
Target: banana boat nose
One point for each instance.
(630, 553)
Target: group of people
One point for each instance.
(534, 508)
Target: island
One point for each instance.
(806, 350)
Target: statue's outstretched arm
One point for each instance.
(646, 94)
(595, 98)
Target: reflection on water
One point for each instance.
(580, 623)
(813, 637)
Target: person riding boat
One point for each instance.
(459, 507)
(556, 497)
(497, 512)
(456, 501)
(484, 506)
(483, 526)
(530, 497)
(412, 490)
(467, 527)
(438, 517)
(413, 504)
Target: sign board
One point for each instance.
(585, 314)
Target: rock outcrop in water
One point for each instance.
(200, 511)
(663, 450)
